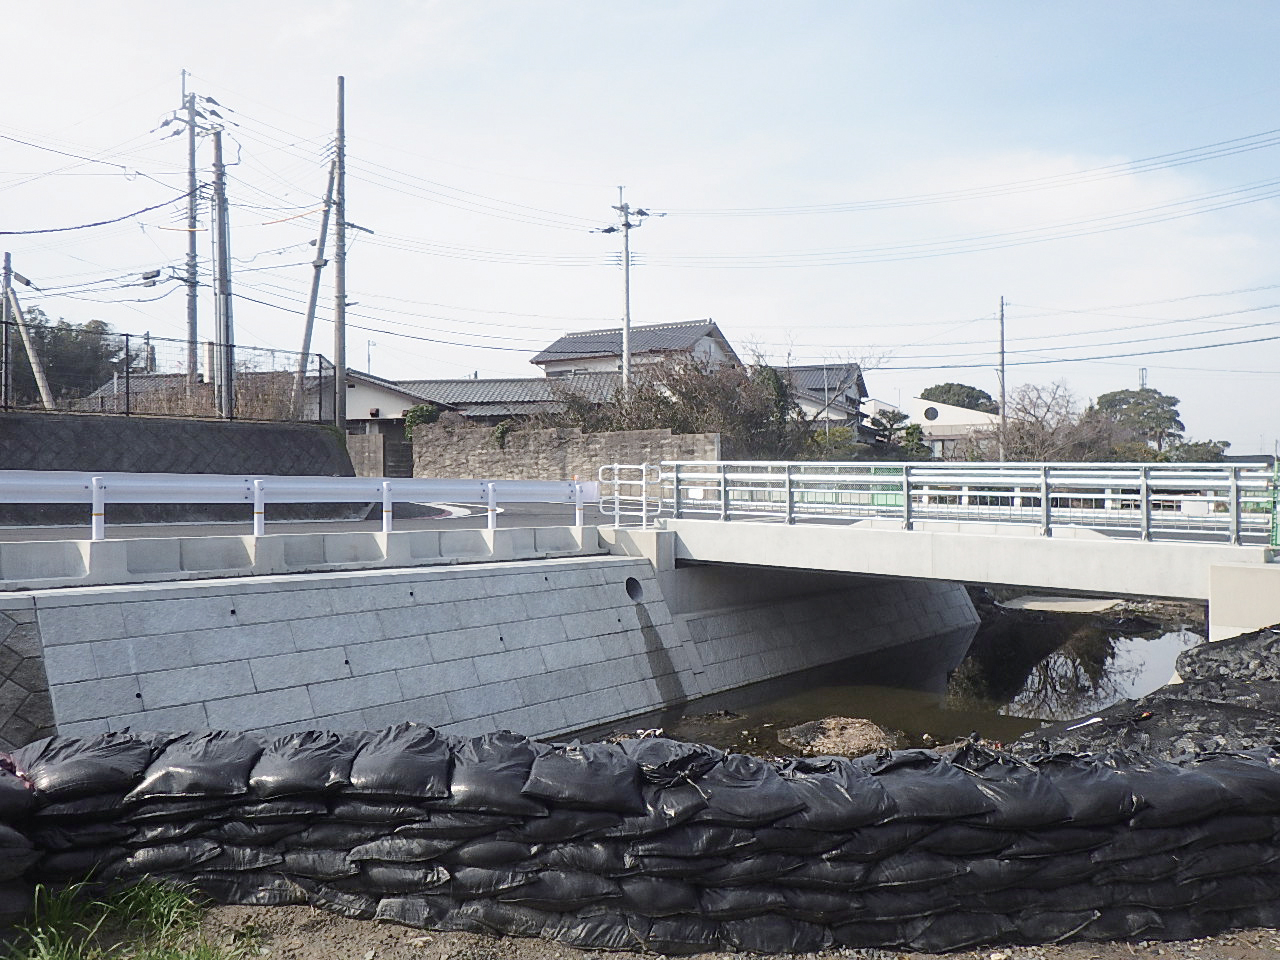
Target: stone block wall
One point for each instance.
(26, 711)
(553, 454)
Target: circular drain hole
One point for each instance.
(634, 590)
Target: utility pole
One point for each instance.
(15, 308)
(1002, 392)
(193, 279)
(318, 264)
(340, 269)
(626, 225)
(225, 376)
(6, 342)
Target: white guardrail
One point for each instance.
(1150, 501)
(99, 489)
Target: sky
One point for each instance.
(837, 180)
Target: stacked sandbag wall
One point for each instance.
(657, 845)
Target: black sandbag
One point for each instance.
(205, 765)
(955, 931)
(394, 878)
(1252, 777)
(912, 870)
(904, 904)
(185, 855)
(294, 810)
(507, 919)
(877, 842)
(402, 849)
(988, 874)
(565, 825)
(104, 808)
(303, 764)
(253, 833)
(965, 840)
(67, 768)
(604, 931)
(385, 812)
(820, 906)
(456, 825)
(170, 810)
(737, 903)
(1134, 843)
(588, 776)
(654, 897)
(405, 761)
(836, 794)
(98, 862)
(1057, 841)
(467, 883)
(17, 900)
(1232, 828)
(1022, 796)
(63, 837)
(664, 807)
(336, 836)
(16, 797)
(1157, 866)
(683, 868)
(232, 857)
(806, 842)
(489, 853)
(1162, 895)
(357, 906)
(680, 936)
(878, 933)
(421, 912)
(560, 890)
(923, 786)
(826, 875)
(1062, 871)
(488, 774)
(603, 857)
(667, 763)
(775, 935)
(746, 790)
(1172, 795)
(1051, 926)
(250, 889)
(1123, 923)
(753, 868)
(319, 864)
(1226, 860)
(1095, 795)
(695, 840)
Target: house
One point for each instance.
(600, 351)
(829, 392)
(492, 401)
(948, 430)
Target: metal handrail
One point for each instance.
(1153, 500)
(97, 490)
(618, 499)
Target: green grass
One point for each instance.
(148, 920)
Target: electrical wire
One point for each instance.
(99, 223)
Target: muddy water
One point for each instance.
(1021, 668)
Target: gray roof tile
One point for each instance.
(649, 338)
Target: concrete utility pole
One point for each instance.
(626, 225)
(226, 356)
(1002, 415)
(193, 206)
(6, 343)
(33, 356)
(340, 269)
(319, 264)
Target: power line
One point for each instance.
(99, 223)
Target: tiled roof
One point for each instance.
(828, 379)
(650, 338)
(470, 395)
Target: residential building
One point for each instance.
(600, 351)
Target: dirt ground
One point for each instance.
(302, 933)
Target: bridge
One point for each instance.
(702, 577)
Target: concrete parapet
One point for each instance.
(1242, 597)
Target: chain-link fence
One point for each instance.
(90, 369)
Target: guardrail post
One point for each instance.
(1275, 504)
(791, 513)
(1145, 493)
(675, 491)
(1234, 506)
(1046, 520)
(644, 496)
(98, 511)
(259, 509)
(577, 503)
(906, 497)
(128, 397)
(724, 492)
(387, 506)
(492, 490)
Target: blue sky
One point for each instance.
(842, 180)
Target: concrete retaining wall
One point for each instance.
(543, 647)
(558, 454)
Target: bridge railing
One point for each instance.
(1151, 501)
(97, 490)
